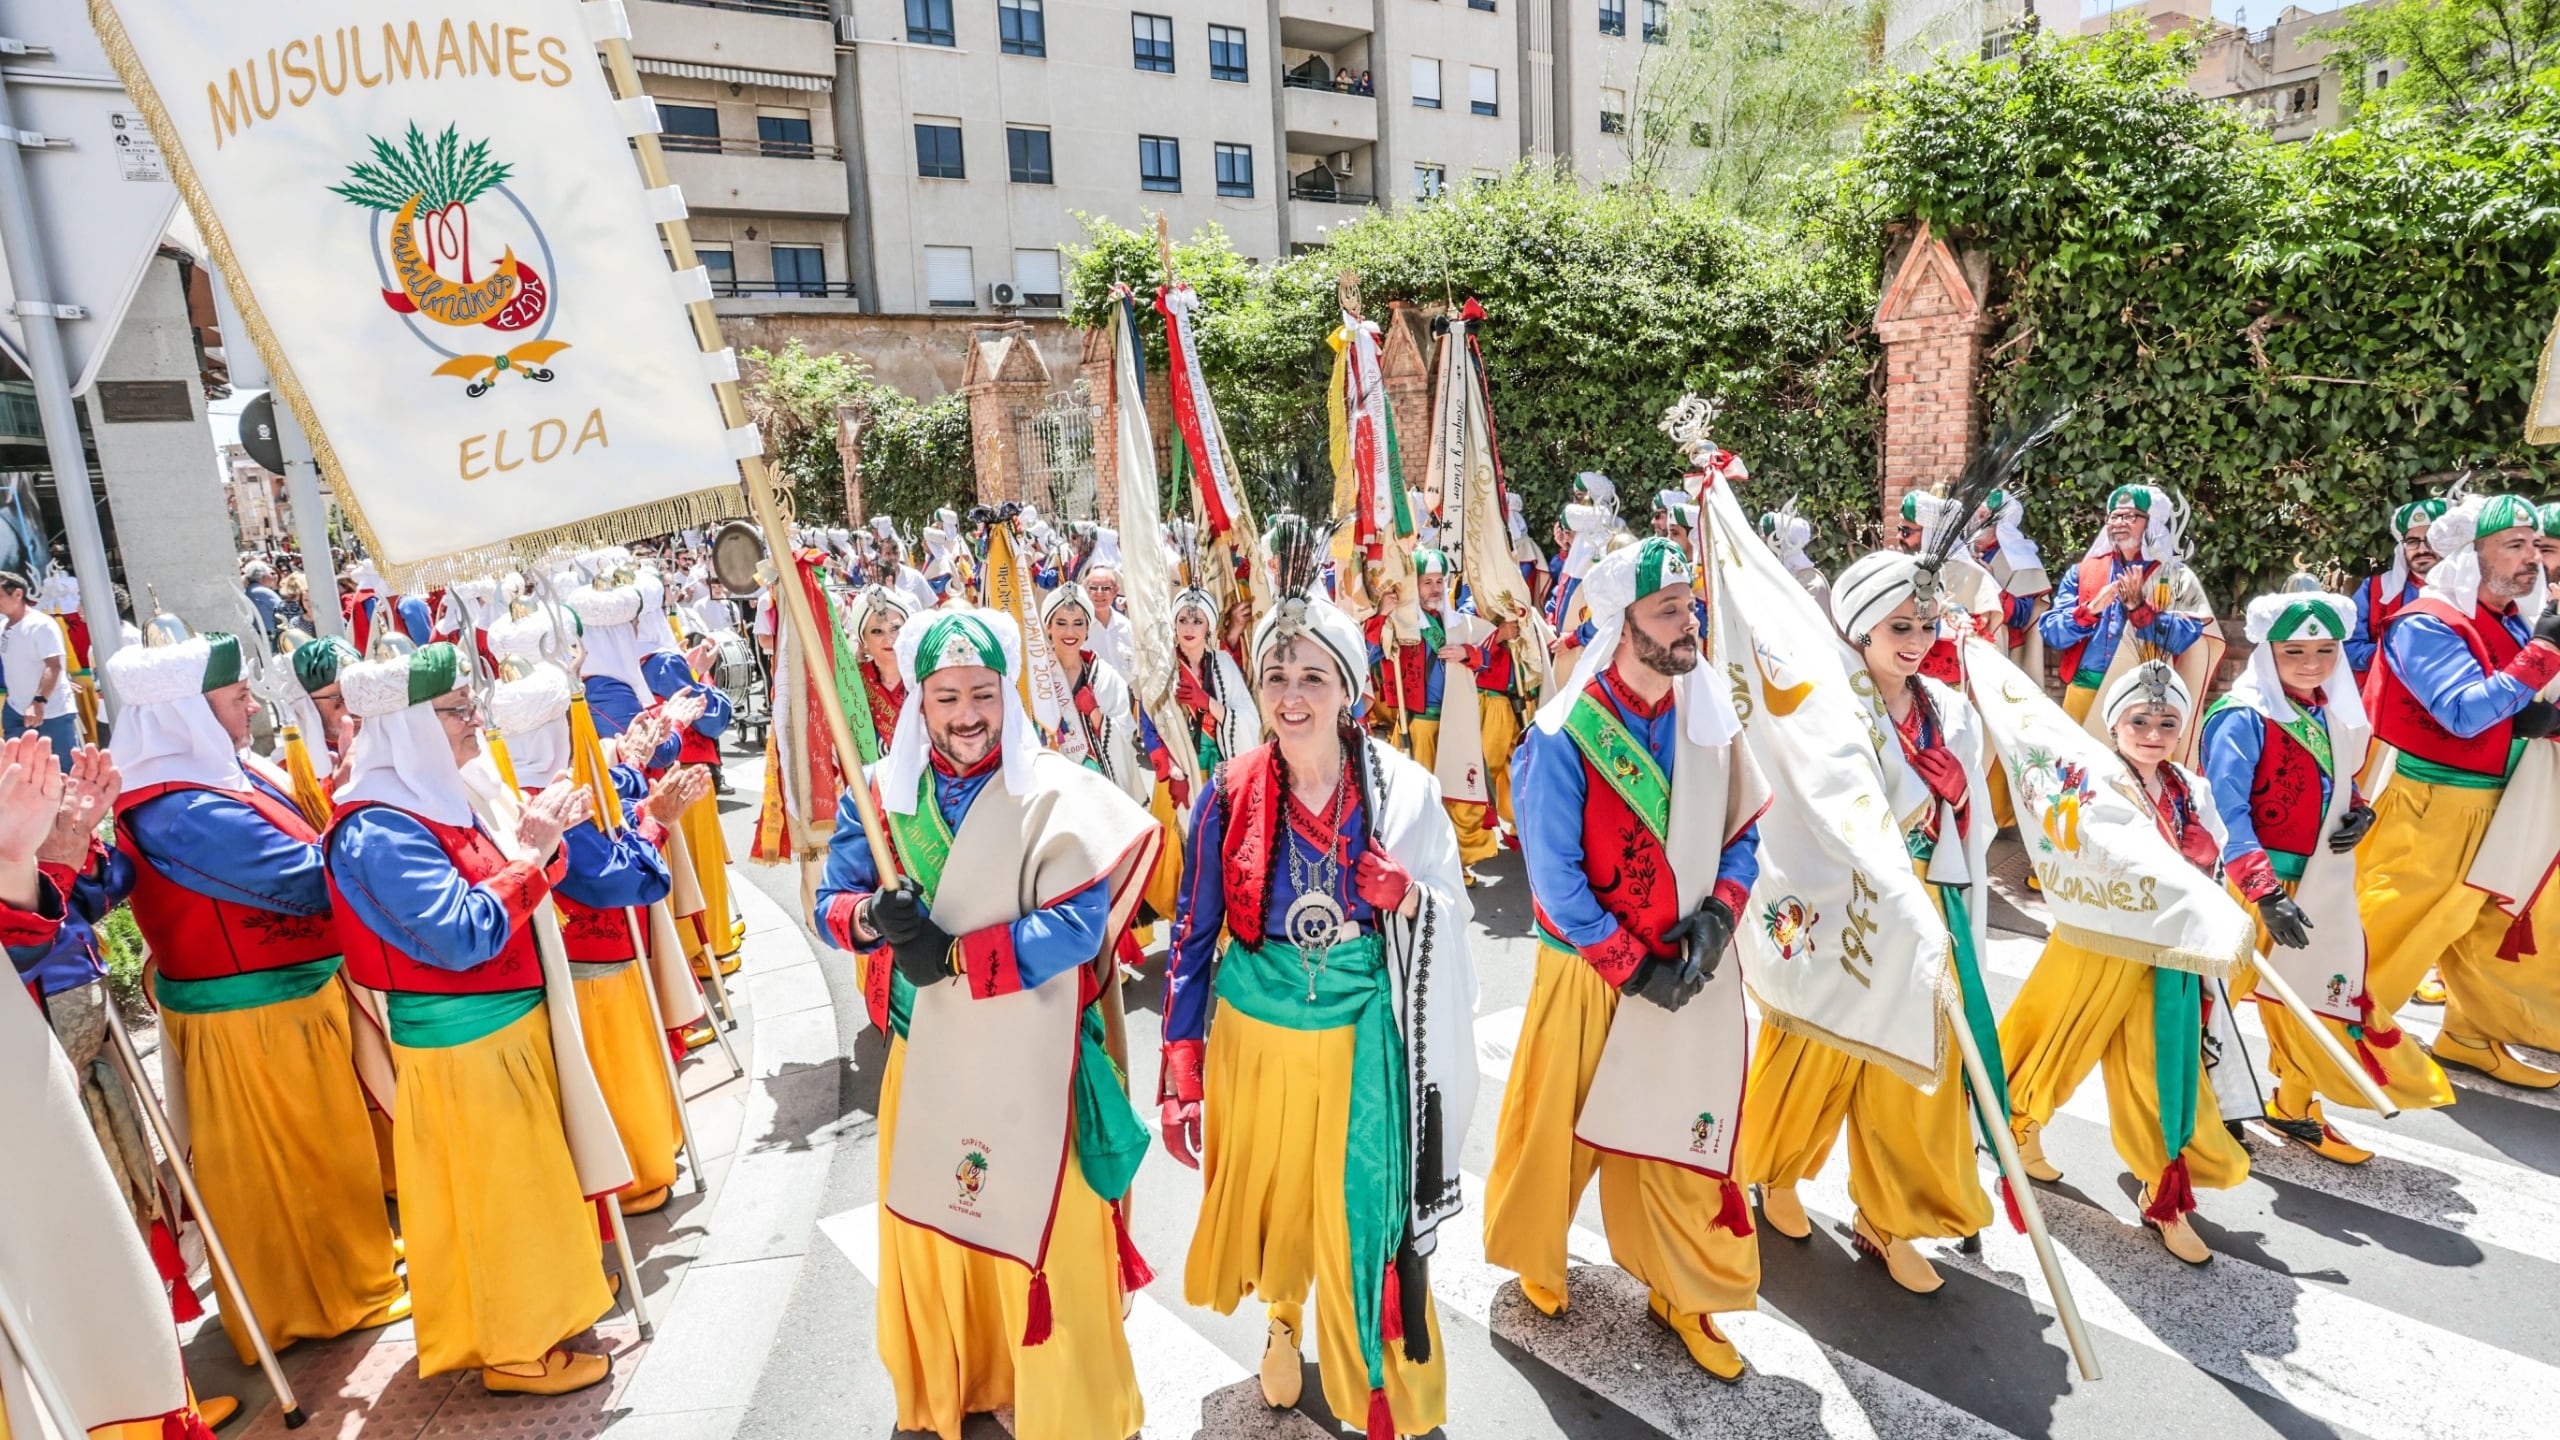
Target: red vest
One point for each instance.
(377, 964)
(2284, 796)
(592, 935)
(1629, 871)
(194, 936)
(2094, 574)
(2400, 719)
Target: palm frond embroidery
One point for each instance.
(439, 173)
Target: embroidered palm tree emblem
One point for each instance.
(972, 1174)
(1702, 1132)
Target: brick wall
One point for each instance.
(1932, 324)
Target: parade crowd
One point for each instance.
(435, 913)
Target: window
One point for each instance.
(1159, 163)
(1035, 274)
(721, 265)
(950, 275)
(1027, 156)
(1151, 41)
(929, 23)
(784, 133)
(799, 270)
(1023, 26)
(1226, 54)
(1235, 171)
(1484, 5)
(1613, 112)
(938, 150)
(1484, 178)
(2381, 77)
(1426, 83)
(1613, 16)
(688, 127)
(1484, 90)
(1657, 21)
(1430, 181)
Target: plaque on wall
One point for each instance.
(136, 402)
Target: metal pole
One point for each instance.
(2274, 982)
(21, 1335)
(630, 1266)
(40, 320)
(310, 525)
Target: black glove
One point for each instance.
(2285, 921)
(2547, 629)
(920, 948)
(2537, 719)
(1669, 983)
(1709, 928)
(2350, 832)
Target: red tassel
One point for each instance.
(2519, 941)
(2173, 1196)
(1035, 1326)
(183, 1304)
(604, 1223)
(676, 1047)
(2364, 1057)
(184, 1425)
(2009, 1202)
(1382, 1421)
(1391, 1307)
(1134, 1274)
(1128, 952)
(1734, 1214)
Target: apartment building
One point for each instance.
(2279, 75)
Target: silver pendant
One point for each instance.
(1314, 924)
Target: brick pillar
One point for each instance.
(1094, 364)
(1006, 382)
(1404, 367)
(1931, 321)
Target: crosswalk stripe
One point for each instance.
(1191, 1386)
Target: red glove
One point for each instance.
(1161, 761)
(1188, 690)
(1180, 1092)
(1180, 789)
(1381, 881)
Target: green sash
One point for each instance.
(1623, 762)
(2310, 734)
(226, 993)
(1270, 985)
(924, 837)
(1956, 910)
(2410, 767)
(440, 1022)
(2177, 1052)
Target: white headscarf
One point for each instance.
(1319, 620)
(650, 628)
(2301, 615)
(401, 757)
(1621, 579)
(1068, 593)
(1602, 490)
(532, 715)
(2456, 535)
(1872, 588)
(1592, 527)
(936, 640)
(2133, 688)
(2006, 514)
(1788, 535)
(165, 732)
(2155, 529)
(2396, 583)
(611, 639)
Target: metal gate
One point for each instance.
(1056, 450)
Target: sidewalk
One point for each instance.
(715, 1266)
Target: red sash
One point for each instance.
(2402, 721)
(194, 936)
(377, 964)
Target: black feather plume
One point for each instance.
(1989, 470)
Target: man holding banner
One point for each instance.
(1006, 1133)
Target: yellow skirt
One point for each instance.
(950, 1318)
(503, 1250)
(623, 1047)
(1477, 841)
(1657, 1216)
(2082, 1011)
(700, 823)
(284, 1153)
(2078, 701)
(1911, 1167)
(2410, 1076)
(1501, 738)
(1272, 1218)
(2534, 984)
(1164, 885)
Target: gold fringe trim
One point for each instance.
(1943, 994)
(638, 522)
(2195, 962)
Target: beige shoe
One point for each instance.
(557, 1373)
(1784, 1212)
(2178, 1235)
(2030, 1138)
(1902, 1260)
(2491, 1059)
(1283, 1369)
(1699, 1335)
(1550, 1303)
(647, 1202)
(214, 1409)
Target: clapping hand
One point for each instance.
(30, 795)
(639, 741)
(546, 815)
(676, 792)
(703, 656)
(88, 793)
(684, 708)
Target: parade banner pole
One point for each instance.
(21, 1335)
(2006, 1146)
(622, 1253)
(2269, 979)
(147, 1100)
(761, 501)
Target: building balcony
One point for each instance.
(743, 177)
(1315, 218)
(1319, 122)
(1326, 24)
(783, 37)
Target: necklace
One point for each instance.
(1315, 921)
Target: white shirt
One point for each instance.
(1116, 645)
(60, 593)
(24, 647)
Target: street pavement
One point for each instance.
(2411, 1297)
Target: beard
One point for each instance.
(2512, 586)
(964, 745)
(1677, 658)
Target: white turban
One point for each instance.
(2137, 687)
(1870, 589)
(165, 730)
(943, 639)
(1317, 619)
(1621, 579)
(2299, 615)
(401, 756)
(2454, 536)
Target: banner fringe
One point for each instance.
(2194, 962)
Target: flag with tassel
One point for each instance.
(309, 795)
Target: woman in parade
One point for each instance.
(873, 615)
(1103, 714)
(1911, 1156)
(2145, 1024)
(1326, 1129)
(1218, 720)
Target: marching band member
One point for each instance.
(2454, 693)
(1298, 1104)
(2144, 1024)
(1599, 769)
(1911, 1165)
(2382, 596)
(501, 1244)
(2276, 751)
(2106, 596)
(1052, 855)
(231, 891)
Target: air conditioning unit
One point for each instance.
(1003, 295)
(1339, 163)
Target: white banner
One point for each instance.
(436, 230)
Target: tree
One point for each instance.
(1743, 93)
(915, 454)
(2461, 55)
